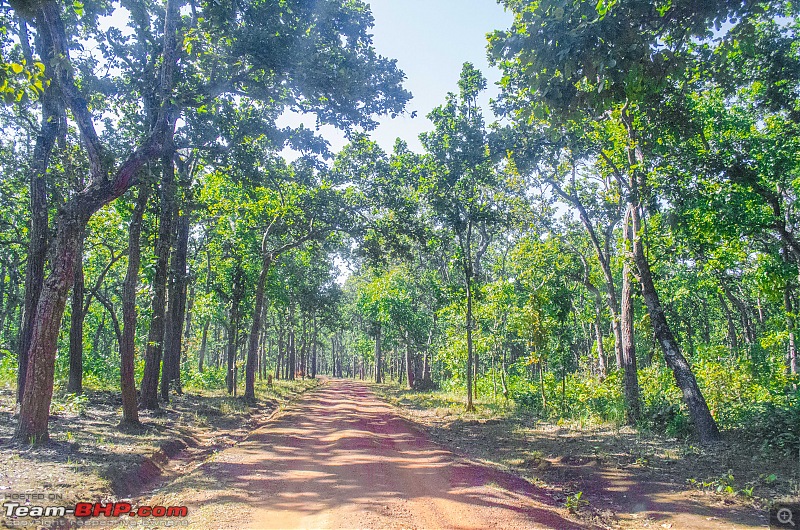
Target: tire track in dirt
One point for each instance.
(341, 458)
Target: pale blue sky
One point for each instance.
(430, 39)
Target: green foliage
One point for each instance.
(8, 369)
(211, 378)
(575, 502)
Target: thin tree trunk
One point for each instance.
(791, 355)
(291, 364)
(201, 356)
(75, 381)
(733, 341)
(598, 330)
(314, 351)
(127, 347)
(233, 330)
(378, 375)
(468, 283)
(409, 364)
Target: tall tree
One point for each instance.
(459, 187)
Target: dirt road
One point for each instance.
(340, 458)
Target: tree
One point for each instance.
(459, 186)
(571, 64)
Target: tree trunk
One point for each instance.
(35, 405)
(53, 124)
(291, 364)
(201, 356)
(378, 375)
(171, 372)
(605, 265)
(73, 216)
(630, 384)
(791, 354)
(468, 322)
(255, 330)
(630, 376)
(75, 382)
(148, 398)
(314, 351)
(127, 347)
(684, 377)
(733, 341)
(233, 330)
(598, 331)
(409, 363)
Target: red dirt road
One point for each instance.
(340, 458)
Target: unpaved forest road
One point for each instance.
(340, 458)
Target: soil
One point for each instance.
(626, 479)
(90, 459)
(342, 458)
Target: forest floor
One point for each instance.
(89, 459)
(621, 478)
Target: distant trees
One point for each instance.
(637, 196)
(214, 53)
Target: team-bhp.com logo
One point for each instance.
(94, 509)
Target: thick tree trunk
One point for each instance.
(148, 398)
(75, 381)
(684, 377)
(105, 186)
(127, 347)
(35, 405)
(171, 372)
(255, 330)
(630, 384)
(51, 123)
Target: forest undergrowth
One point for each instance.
(574, 455)
(90, 458)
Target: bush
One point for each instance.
(211, 378)
(775, 429)
(8, 369)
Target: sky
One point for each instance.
(431, 40)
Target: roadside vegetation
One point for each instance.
(586, 465)
(612, 246)
(90, 459)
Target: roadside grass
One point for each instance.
(442, 403)
(565, 454)
(89, 458)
